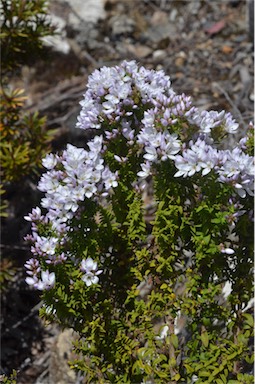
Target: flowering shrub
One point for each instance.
(143, 242)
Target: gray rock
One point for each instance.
(59, 370)
(85, 10)
(121, 24)
(158, 33)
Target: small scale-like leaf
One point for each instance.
(177, 377)
(204, 373)
(205, 339)
(249, 319)
(174, 340)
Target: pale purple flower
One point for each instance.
(90, 278)
(95, 146)
(36, 215)
(47, 281)
(187, 164)
(89, 266)
(128, 133)
(32, 281)
(49, 182)
(227, 250)
(238, 170)
(33, 269)
(146, 170)
(73, 157)
(207, 120)
(50, 161)
(151, 154)
(169, 146)
(90, 190)
(120, 159)
(88, 117)
(32, 266)
(47, 245)
(230, 124)
(109, 179)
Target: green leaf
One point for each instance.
(205, 339)
(174, 340)
(207, 239)
(177, 377)
(147, 368)
(249, 319)
(204, 374)
(137, 367)
(224, 376)
(249, 359)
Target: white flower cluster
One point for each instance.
(111, 93)
(76, 175)
(232, 166)
(208, 120)
(115, 94)
(72, 177)
(47, 280)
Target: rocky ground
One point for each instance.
(207, 49)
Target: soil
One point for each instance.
(207, 49)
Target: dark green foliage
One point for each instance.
(23, 24)
(7, 274)
(24, 138)
(120, 325)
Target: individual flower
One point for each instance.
(227, 250)
(57, 259)
(32, 266)
(109, 179)
(207, 120)
(146, 170)
(32, 281)
(151, 154)
(50, 161)
(35, 215)
(46, 245)
(90, 278)
(47, 281)
(230, 124)
(89, 266)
